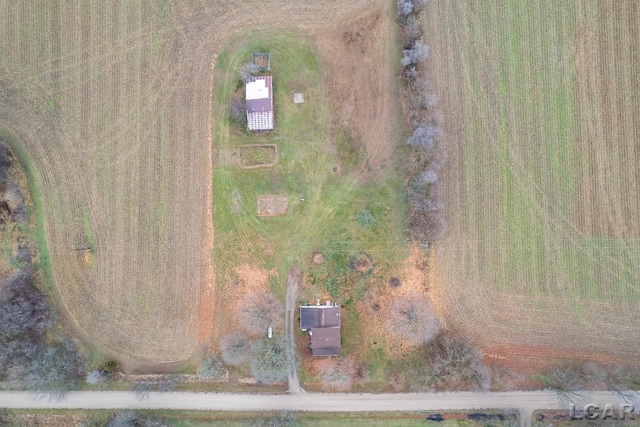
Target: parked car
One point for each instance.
(270, 332)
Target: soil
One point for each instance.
(258, 155)
(360, 78)
(317, 258)
(272, 205)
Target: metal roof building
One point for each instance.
(259, 96)
(323, 324)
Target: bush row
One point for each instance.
(426, 217)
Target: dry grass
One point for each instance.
(111, 103)
(541, 188)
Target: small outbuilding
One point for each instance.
(259, 96)
(323, 324)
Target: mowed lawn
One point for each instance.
(319, 171)
(541, 108)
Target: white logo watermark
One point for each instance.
(592, 411)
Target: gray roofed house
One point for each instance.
(323, 324)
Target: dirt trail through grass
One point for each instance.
(294, 279)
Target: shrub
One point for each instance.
(456, 364)
(211, 368)
(270, 360)
(55, 369)
(415, 54)
(259, 311)
(336, 373)
(405, 7)
(282, 419)
(411, 318)
(238, 110)
(427, 177)
(94, 376)
(25, 311)
(427, 226)
(129, 418)
(394, 282)
(365, 218)
(248, 70)
(110, 367)
(411, 30)
(235, 348)
(423, 137)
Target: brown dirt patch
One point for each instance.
(257, 155)
(317, 258)
(360, 78)
(272, 205)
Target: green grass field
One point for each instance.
(308, 150)
(533, 199)
(543, 185)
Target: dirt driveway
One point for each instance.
(294, 279)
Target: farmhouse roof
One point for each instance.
(323, 322)
(326, 341)
(314, 316)
(259, 96)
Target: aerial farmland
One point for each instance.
(455, 183)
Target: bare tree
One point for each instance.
(211, 368)
(427, 177)
(270, 360)
(94, 376)
(411, 317)
(411, 30)
(126, 418)
(423, 137)
(248, 70)
(418, 5)
(24, 313)
(129, 418)
(415, 54)
(336, 373)
(411, 73)
(235, 348)
(405, 7)
(259, 311)
(456, 364)
(427, 226)
(282, 419)
(57, 368)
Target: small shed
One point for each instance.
(259, 96)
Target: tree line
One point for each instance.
(426, 220)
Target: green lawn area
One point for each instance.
(523, 170)
(309, 148)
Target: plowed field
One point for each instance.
(540, 101)
(111, 102)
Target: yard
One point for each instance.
(321, 170)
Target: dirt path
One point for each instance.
(293, 283)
